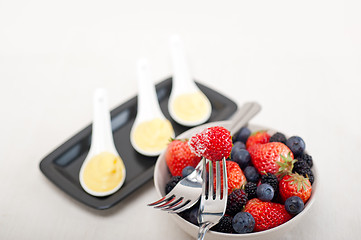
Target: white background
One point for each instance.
(301, 60)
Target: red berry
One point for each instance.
(259, 137)
(235, 176)
(295, 185)
(266, 214)
(265, 156)
(178, 156)
(213, 143)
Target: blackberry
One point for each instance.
(171, 183)
(311, 177)
(224, 225)
(250, 188)
(278, 137)
(307, 158)
(300, 165)
(272, 180)
(307, 172)
(236, 201)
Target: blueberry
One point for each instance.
(294, 205)
(243, 222)
(239, 145)
(243, 134)
(265, 192)
(187, 170)
(296, 145)
(242, 157)
(236, 147)
(251, 174)
(191, 215)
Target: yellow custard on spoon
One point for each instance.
(154, 135)
(103, 172)
(191, 107)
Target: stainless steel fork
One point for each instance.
(213, 202)
(184, 195)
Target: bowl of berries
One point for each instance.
(272, 181)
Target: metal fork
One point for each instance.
(213, 202)
(184, 195)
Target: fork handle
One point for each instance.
(203, 228)
(243, 115)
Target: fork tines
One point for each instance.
(221, 175)
(171, 204)
(184, 195)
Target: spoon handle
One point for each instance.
(182, 78)
(243, 115)
(102, 136)
(148, 105)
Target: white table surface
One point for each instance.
(301, 60)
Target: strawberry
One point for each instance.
(235, 176)
(285, 167)
(178, 155)
(295, 185)
(266, 214)
(265, 156)
(213, 143)
(259, 137)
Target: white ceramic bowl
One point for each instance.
(162, 176)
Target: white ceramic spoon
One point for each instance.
(183, 84)
(148, 105)
(101, 140)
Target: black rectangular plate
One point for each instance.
(63, 164)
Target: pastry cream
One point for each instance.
(153, 135)
(103, 172)
(190, 107)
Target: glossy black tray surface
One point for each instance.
(63, 164)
